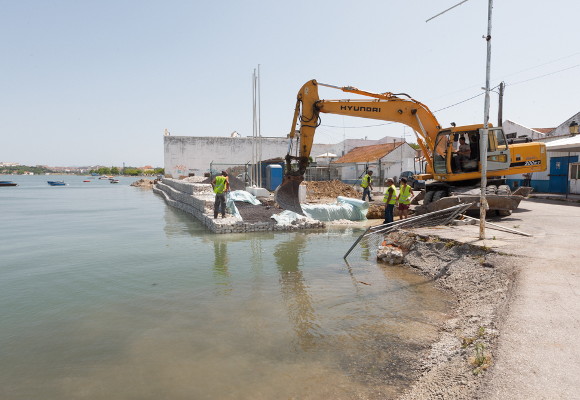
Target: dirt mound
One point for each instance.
(316, 190)
(235, 183)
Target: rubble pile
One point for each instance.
(318, 190)
(195, 179)
(144, 183)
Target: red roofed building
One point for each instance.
(386, 160)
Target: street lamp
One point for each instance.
(573, 128)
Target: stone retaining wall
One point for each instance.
(197, 199)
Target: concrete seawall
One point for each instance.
(197, 199)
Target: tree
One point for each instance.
(114, 171)
(132, 171)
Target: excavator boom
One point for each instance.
(384, 106)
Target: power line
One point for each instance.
(541, 65)
(450, 8)
(542, 76)
(469, 98)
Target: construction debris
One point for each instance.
(197, 199)
(144, 183)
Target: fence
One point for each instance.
(322, 173)
(374, 235)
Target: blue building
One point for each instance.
(562, 173)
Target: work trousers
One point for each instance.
(219, 205)
(367, 192)
(389, 213)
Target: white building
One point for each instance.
(513, 130)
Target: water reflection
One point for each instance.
(294, 292)
(179, 223)
(221, 266)
(365, 250)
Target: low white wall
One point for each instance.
(194, 154)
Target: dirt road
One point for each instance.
(539, 348)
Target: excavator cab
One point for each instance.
(458, 151)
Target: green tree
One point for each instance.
(132, 171)
(114, 171)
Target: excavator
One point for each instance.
(452, 155)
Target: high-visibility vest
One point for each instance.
(405, 194)
(220, 184)
(393, 196)
(366, 181)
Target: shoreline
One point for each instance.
(483, 281)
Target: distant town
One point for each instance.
(13, 168)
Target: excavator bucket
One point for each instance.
(286, 195)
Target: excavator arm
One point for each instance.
(381, 106)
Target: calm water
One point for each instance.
(108, 293)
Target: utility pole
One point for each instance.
(500, 110)
(485, 131)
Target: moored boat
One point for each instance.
(8, 183)
(114, 181)
(56, 183)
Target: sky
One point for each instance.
(98, 82)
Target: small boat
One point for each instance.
(56, 183)
(8, 183)
(104, 177)
(86, 180)
(114, 181)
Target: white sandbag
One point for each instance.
(231, 206)
(345, 208)
(242, 195)
(286, 217)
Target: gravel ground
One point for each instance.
(258, 213)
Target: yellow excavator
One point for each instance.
(453, 164)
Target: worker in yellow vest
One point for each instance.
(390, 199)
(221, 185)
(367, 185)
(404, 198)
